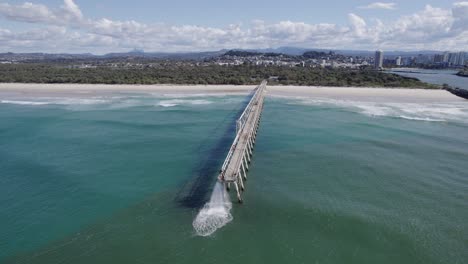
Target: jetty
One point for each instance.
(236, 165)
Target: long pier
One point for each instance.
(235, 167)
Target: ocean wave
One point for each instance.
(124, 101)
(421, 119)
(175, 102)
(163, 104)
(429, 112)
(197, 95)
(23, 102)
(58, 101)
(81, 101)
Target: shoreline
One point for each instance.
(339, 93)
(70, 87)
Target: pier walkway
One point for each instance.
(236, 165)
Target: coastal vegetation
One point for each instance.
(211, 74)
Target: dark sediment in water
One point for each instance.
(195, 192)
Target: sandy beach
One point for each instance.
(338, 93)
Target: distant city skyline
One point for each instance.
(100, 27)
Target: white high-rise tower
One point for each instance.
(378, 60)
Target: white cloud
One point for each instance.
(27, 12)
(358, 24)
(380, 5)
(67, 29)
(37, 13)
(72, 9)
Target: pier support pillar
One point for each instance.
(241, 182)
(239, 198)
(243, 170)
(246, 163)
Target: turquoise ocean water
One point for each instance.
(119, 178)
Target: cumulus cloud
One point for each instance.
(358, 24)
(27, 12)
(380, 5)
(71, 11)
(37, 13)
(68, 29)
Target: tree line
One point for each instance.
(212, 74)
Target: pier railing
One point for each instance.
(240, 123)
(240, 153)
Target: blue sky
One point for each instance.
(176, 25)
(216, 12)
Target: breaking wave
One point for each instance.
(429, 112)
(215, 214)
(23, 102)
(175, 102)
(58, 101)
(123, 101)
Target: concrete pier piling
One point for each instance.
(236, 164)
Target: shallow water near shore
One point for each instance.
(97, 180)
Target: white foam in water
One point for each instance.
(58, 101)
(417, 112)
(23, 102)
(430, 112)
(215, 214)
(166, 104)
(175, 102)
(80, 101)
(104, 102)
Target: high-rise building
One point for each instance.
(438, 58)
(453, 58)
(378, 60)
(461, 58)
(398, 61)
(424, 59)
(407, 61)
(446, 56)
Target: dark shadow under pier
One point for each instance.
(195, 192)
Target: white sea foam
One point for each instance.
(58, 101)
(111, 102)
(422, 119)
(23, 102)
(194, 95)
(417, 112)
(215, 214)
(165, 104)
(430, 112)
(80, 101)
(175, 102)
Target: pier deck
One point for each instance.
(236, 165)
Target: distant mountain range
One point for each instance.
(293, 51)
(132, 54)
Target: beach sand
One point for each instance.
(336, 93)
